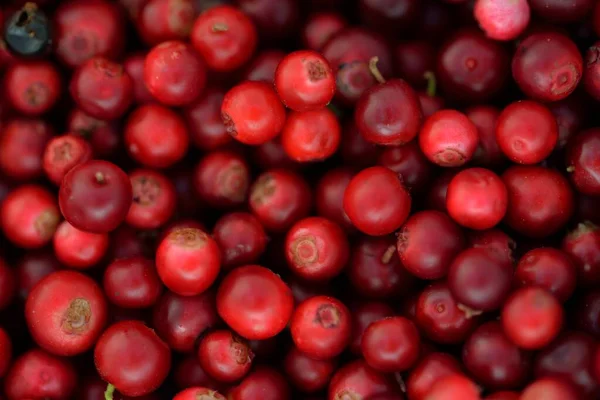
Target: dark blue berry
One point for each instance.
(27, 32)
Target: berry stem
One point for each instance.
(375, 71)
(431, 83)
(110, 390)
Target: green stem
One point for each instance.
(431, 83)
(110, 390)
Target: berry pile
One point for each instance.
(300, 200)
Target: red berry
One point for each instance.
(415, 61)
(132, 283)
(311, 135)
(263, 383)
(484, 118)
(224, 355)
(364, 315)
(430, 369)
(134, 67)
(391, 344)
(357, 380)
(307, 374)
(95, 196)
(31, 268)
(252, 113)
(5, 352)
(33, 87)
(154, 199)
(376, 201)
(144, 359)
(240, 237)
(162, 20)
(263, 67)
(583, 247)
(225, 37)
(29, 216)
(320, 27)
(198, 393)
(103, 136)
(547, 268)
(102, 88)
(63, 153)
(203, 117)
(526, 132)
(502, 20)
(188, 261)
(79, 249)
(549, 389)
(453, 387)
(66, 312)
(329, 196)
(174, 73)
(582, 161)
(254, 302)
(409, 163)
(448, 138)
(316, 249)
(189, 373)
(547, 66)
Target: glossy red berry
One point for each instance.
(477, 198)
(389, 113)
(144, 359)
(33, 87)
(63, 153)
(391, 344)
(102, 88)
(409, 163)
(154, 199)
(188, 261)
(311, 135)
(174, 73)
(162, 20)
(526, 132)
(307, 374)
(320, 327)
(225, 37)
(547, 66)
(320, 27)
(453, 387)
(252, 113)
(103, 136)
(79, 249)
(134, 67)
(329, 196)
(264, 383)
(448, 138)
(203, 117)
(316, 249)
(66, 313)
(254, 302)
(583, 247)
(356, 379)
(582, 162)
(132, 283)
(532, 318)
(240, 237)
(262, 68)
(95, 196)
(549, 389)
(224, 355)
(502, 20)
(376, 201)
(195, 393)
(484, 118)
(430, 369)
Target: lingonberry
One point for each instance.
(587, 313)
(496, 241)
(364, 315)
(316, 249)
(66, 312)
(591, 73)
(329, 196)
(103, 136)
(132, 283)
(84, 29)
(22, 145)
(320, 327)
(162, 20)
(263, 383)
(252, 113)
(224, 355)
(311, 135)
(430, 104)
(188, 261)
(425, 255)
(477, 288)
(477, 198)
(535, 188)
(33, 87)
(198, 393)
(270, 155)
(79, 249)
(129, 242)
(570, 114)
(389, 113)
(488, 152)
(156, 136)
(320, 27)
(279, 198)
(134, 67)
(582, 162)
(154, 199)
(428, 371)
(6, 352)
(549, 389)
(274, 20)
(471, 67)
(409, 163)
(203, 117)
(63, 153)
(254, 302)
(391, 344)
(526, 132)
(375, 269)
(557, 11)
(102, 88)
(263, 67)
(390, 19)
(241, 238)
(453, 387)
(144, 359)
(27, 31)
(225, 37)
(30, 269)
(436, 197)
(356, 152)
(29, 216)
(179, 320)
(8, 283)
(305, 373)
(95, 196)
(222, 179)
(189, 373)
(439, 317)
(448, 138)
(37, 374)
(357, 380)
(352, 79)
(174, 73)
(532, 318)
(547, 268)
(547, 66)
(502, 20)
(376, 201)
(583, 247)
(415, 61)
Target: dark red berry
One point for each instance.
(132, 283)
